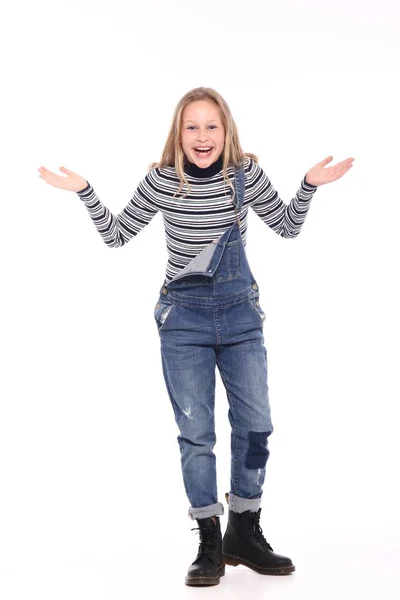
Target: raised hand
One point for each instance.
(72, 182)
(318, 175)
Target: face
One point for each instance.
(203, 133)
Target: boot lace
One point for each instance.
(208, 540)
(256, 529)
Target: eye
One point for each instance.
(190, 127)
(213, 127)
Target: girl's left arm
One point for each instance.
(287, 219)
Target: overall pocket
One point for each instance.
(229, 267)
(162, 311)
(255, 304)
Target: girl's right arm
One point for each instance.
(116, 230)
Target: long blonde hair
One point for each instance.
(173, 155)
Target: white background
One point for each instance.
(92, 504)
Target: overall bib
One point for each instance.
(207, 315)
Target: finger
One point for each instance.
(67, 171)
(52, 178)
(346, 162)
(49, 181)
(346, 166)
(47, 172)
(338, 173)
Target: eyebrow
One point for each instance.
(192, 121)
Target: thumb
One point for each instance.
(327, 160)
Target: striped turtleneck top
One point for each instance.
(202, 216)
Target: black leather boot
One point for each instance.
(208, 566)
(244, 544)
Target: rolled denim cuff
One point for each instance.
(239, 505)
(205, 512)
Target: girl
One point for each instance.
(208, 312)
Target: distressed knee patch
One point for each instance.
(257, 454)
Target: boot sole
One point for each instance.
(234, 561)
(203, 581)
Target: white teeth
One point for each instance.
(206, 149)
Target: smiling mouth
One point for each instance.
(203, 152)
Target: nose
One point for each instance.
(202, 136)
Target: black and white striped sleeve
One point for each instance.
(285, 219)
(117, 230)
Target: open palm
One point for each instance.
(71, 182)
(318, 175)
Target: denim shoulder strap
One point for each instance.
(238, 197)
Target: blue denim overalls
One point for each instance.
(208, 315)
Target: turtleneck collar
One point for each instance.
(194, 171)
